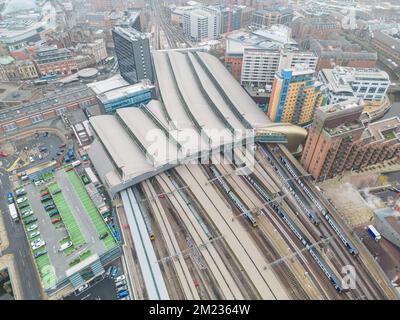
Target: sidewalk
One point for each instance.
(7, 262)
(3, 233)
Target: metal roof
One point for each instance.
(202, 107)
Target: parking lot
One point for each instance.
(24, 154)
(104, 289)
(60, 216)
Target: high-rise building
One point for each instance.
(202, 24)
(370, 84)
(259, 66)
(133, 53)
(295, 95)
(235, 21)
(338, 140)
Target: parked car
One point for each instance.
(32, 227)
(38, 245)
(103, 235)
(40, 253)
(119, 278)
(23, 205)
(32, 220)
(49, 207)
(114, 272)
(26, 213)
(22, 199)
(54, 221)
(122, 294)
(34, 234)
(46, 193)
(53, 213)
(122, 288)
(120, 283)
(108, 273)
(82, 288)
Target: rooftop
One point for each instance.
(274, 37)
(112, 83)
(386, 129)
(130, 33)
(118, 93)
(339, 79)
(201, 105)
(349, 104)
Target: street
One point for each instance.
(30, 285)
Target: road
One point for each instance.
(30, 285)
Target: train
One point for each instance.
(284, 216)
(310, 213)
(239, 204)
(349, 245)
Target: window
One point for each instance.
(37, 118)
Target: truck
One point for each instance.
(89, 172)
(66, 159)
(13, 212)
(374, 233)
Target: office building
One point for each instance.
(236, 17)
(116, 93)
(370, 84)
(202, 24)
(338, 140)
(133, 53)
(295, 95)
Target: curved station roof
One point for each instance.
(202, 108)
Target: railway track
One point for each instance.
(265, 218)
(236, 235)
(173, 35)
(289, 235)
(219, 270)
(180, 266)
(367, 287)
